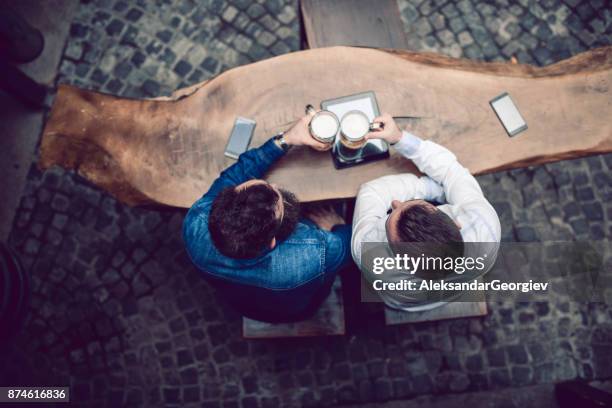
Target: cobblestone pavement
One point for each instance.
(120, 315)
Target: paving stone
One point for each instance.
(426, 8)
(543, 32)
(269, 22)
(78, 30)
(542, 56)
(521, 375)
(422, 27)
(511, 49)
(513, 30)
(229, 14)
(256, 10)
(409, 13)
(593, 211)
(134, 15)
(423, 383)
(266, 38)
(585, 194)
(450, 11)
(115, 27)
(241, 21)
(446, 36)
(242, 43)
(496, 357)
(472, 19)
(490, 50)
(456, 25)
(438, 21)
(465, 38)
(473, 51)
(74, 51)
(280, 48)
(287, 15)
(210, 64)
(182, 68)
(500, 377)
(517, 354)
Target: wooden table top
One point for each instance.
(169, 150)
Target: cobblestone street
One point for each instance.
(120, 314)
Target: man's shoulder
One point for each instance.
(306, 234)
(294, 262)
(372, 233)
(480, 220)
(195, 223)
(288, 266)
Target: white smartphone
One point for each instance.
(508, 114)
(240, 138)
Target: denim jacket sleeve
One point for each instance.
(252, 164)
(337, 247)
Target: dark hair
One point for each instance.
(243, 222)
(422, 231)
(420, 224)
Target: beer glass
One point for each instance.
(354, 126)
(323, 126)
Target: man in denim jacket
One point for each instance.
(246, 236)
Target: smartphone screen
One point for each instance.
(240, 138)
(508, 114)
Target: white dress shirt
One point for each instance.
(447, 182)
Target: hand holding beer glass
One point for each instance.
(323, 125)
(390, 132)
(352, 128)
(300, 135)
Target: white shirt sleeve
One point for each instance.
(375, 197)
(461, 189)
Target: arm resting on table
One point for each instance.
(375, 197)
(252, 164)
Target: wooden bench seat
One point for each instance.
(452, 310)
(328, 321)
(363, 23)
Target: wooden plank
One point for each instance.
(170, 151)
(363, 23)
(452, 310)
(328, 321)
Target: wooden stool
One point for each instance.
(451, 310)
(362, 23)
(328, 321)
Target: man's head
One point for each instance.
(417, 228)
(254, 216)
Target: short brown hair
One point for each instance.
(242, 222)
(419, 224)
(429, 233)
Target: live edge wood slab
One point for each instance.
(169, 150)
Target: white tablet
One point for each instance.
(364, 102)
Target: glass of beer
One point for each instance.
(354, 126)
(323, 126)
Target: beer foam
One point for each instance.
(324, 126)
(355, 126)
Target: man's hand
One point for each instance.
(324, 216)
(299, 135)
(389, 132)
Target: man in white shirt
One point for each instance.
(394, 209)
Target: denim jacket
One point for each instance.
(285, 283)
